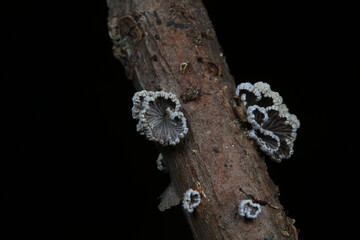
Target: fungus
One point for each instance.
(138, 99)
(159, 117)
(160, 163)
(272, 126)
(268, 97)
(192, 199)
(248, 94)
(249, 209)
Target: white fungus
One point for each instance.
(159, 117)
(268, 96)
(273, 127)
(249, 209)
(192, 199)
(248, 94)
(138, 99)
(160, 163)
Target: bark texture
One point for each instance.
(171, 46)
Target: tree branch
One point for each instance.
(172, 46)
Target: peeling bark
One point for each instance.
(169, 198)
(172, 46)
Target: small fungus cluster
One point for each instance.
(159, 117)
(192, 199)
(249, 209)
(273, 127)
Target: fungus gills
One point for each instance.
(192, 199)
(159, 117)
(249, 209)
(273, 127)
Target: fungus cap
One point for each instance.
(249, 209)
(192, 199)
(272, 126)
(160, 164)
(159, 117)
(138, 99)
(248, 94)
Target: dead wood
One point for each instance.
(172, 46)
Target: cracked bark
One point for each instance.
(172, 46)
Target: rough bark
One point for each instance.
(171, 46)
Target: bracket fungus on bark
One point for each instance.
(192, 199)
(272, 126)
(249, 209)
(159, 117)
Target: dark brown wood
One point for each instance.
(171, 46)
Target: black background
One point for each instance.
(76, 165)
